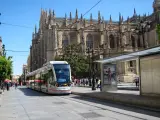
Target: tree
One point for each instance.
(78, 62)
(5, 68)
(158, 31)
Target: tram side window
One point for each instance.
(51, 77)
(45, 78)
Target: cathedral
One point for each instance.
(106, 38)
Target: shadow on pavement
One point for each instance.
(30, 92)
(119, 106)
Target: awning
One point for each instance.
(131, 56)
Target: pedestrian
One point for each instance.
(137, 81)
(99, 82)
(7, 86)
(15, 85)
(2, 86)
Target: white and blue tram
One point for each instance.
(53, 78)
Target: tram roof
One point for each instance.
(131, 56)
(55, 62)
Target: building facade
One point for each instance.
(107, 38)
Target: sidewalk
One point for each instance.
(120, 96)
(121, 86)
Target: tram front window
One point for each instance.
(62, 72)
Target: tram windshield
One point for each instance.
(62, 72)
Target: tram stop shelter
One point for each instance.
(149, 71)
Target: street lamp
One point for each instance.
(89, 70)
(142, 29)
(93, 71)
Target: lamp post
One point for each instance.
(143, 27)
(89, 70)
(93, 71)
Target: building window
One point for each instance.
(65, 41)
(133, 41)
(112, 43)
(130, 63)
(89, 42)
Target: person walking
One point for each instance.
(98, 84)
(2, 86)
(7, 86)
(16, 85)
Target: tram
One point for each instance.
(53, 78)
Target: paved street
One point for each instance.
(26, 104)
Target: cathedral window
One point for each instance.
(89, 42)
(112, 42)
(133, 41)
(65, 41)
(130, 63)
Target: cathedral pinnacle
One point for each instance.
(110, 19)
(53, 14)
(50, 12)
(65, 16)
(76, 17)
(70, 16)
(91, 18)
(120, 19)
(81, 17)
(35, 29)
(99, 17)
(102, 19)
(128, 20)
(135, 14)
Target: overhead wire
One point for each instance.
(15, 51)
(16, 25)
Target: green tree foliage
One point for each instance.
(5, 68)
(158, 31)
(79, 63)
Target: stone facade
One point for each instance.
(107, 38)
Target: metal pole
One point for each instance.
(89, 70)
(93, 72)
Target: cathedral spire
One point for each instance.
(70, 16)
(102, 19)
(99, 17)
(120, 19)
(81, 17)
(35, 29)
(135, 14)
(91, 19)
(50, 12)
(110, 21)
(128, 20)
(76, 17)
(65, 20)
(65, 16)
(54, 14)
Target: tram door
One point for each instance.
(44, 79)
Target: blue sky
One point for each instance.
(27, 13)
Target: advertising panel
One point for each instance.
(109, 74)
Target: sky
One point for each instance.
(26, 13)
